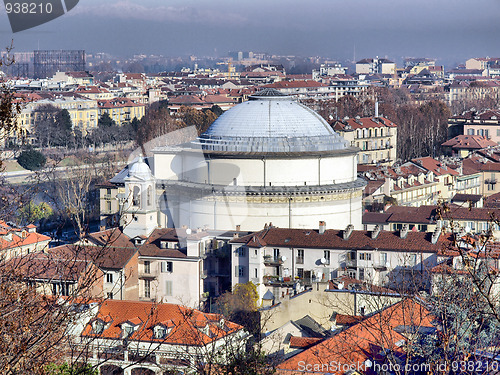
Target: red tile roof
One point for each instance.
(185, 323)
(363, 123)
(361, 341)
(435, 166)
(469, 142)
(303, 342)
(333, 239)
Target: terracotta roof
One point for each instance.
(469, 142)
(493, 201)
(333, 239)
(295, 84)
(303, 342)
(363, 123)
(54, 265)
(19, 236)
(185, 323)
(435, 166)
(342, 319)
(467, 198)
(118, 103)
(362, 341)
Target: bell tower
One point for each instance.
(139, 210)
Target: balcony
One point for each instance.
(380, 266)
(351, 263)
(272, 261)
(299, 260)
(279, 281)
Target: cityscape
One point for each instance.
(195, 189)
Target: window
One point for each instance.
(127, 330)
(300, 273)
(368, 256)
(241, 251)
(276, 253)
(147, 266)
(413, 260)
(168, 288)
(109, 277)
(137, 196)
(149, 195)
(110, 295)
(256, 273)
(160, 332)
(300, 256)
(97, 326)
(147, 288)
(108, 206)
(361, 256)
(326, 255)
(167, 267)
(239, 271)
(383, 258)
(361, 273)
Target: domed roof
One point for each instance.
(140, 169)
(271, 122)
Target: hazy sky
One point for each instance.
(449, 29)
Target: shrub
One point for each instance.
(31, 159)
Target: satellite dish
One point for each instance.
(323, 260)
(188, 231)
(283, 258)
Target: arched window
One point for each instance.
(149, 196)
(376, 132)
(136, 199)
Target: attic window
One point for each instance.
(97, 326)
(127, 330)
(160, 332)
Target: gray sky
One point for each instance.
(453, 30)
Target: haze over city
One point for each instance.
(448, 31)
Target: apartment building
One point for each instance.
(280, 260)
(375, 136)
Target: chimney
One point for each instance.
(404, 231)
(435, 235)
(238, 228)
(375, 231)
(376, 109)
(322, 227)
(348, 231)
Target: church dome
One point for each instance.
(140, 169)
(271, 122)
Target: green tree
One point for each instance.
(65, 120)
(74, 369)
(31, 159)
(105, 121)
(33, 212)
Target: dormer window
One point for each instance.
(128, 330)
(160, 332)
(97, 326)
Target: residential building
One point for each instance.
(353, 348)
(280, 260)
(456, 218)
(153, 338)
(463, 145)
(409, 185)
(20, 241)
(375, 136)
(121, 110)
(485, 123)
(375, 66)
